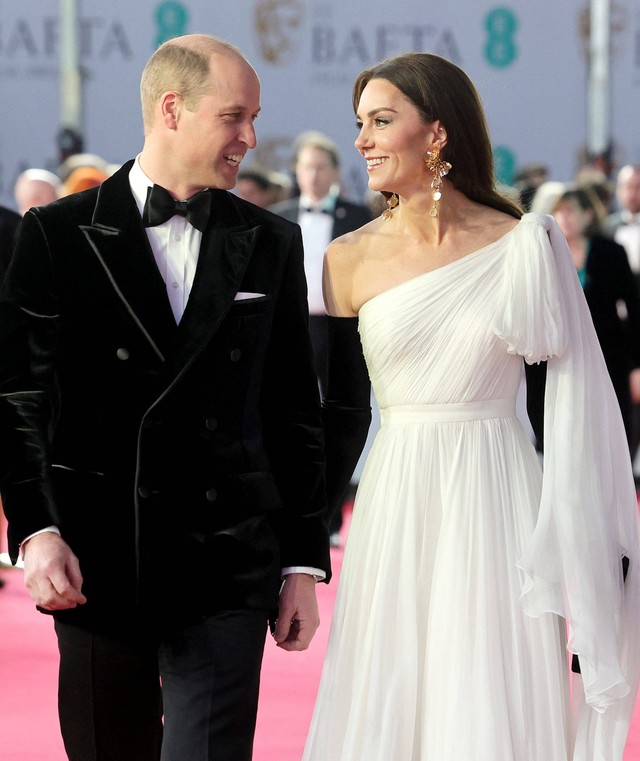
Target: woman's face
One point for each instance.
(393, 139)
(572, 219)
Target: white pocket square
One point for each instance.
(242, 295)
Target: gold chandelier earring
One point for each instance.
(392, 202)
(439, 168)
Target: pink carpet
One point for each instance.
(28, 677)
(28, 663)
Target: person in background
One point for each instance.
(9, 227)
(610, 289)
(596, 180)
(158, 400)
(545, 196)
(323, 214)
(469, 570)
(623, 225)
(263, 187)
(83, 178)
(527, 180)
(36, 187)
(80, 159)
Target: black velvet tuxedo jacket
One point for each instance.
(347, 216)
(184, 463)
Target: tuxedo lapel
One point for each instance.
(118, 239)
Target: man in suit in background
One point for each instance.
(158, 403)
(322, 215)
(623, 225)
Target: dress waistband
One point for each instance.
(446, 413)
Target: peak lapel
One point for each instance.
(118, 239)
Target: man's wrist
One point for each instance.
(47, 530)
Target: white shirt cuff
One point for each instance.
(317, 573)
(48, 529)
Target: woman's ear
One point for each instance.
(440, 134)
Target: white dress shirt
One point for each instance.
(175, 245)
(628, 235)
(317, 232)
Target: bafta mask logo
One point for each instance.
(278, 23)
(171, 19)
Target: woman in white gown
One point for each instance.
(468, 574)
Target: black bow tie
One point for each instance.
(316, 209)
(160, 206)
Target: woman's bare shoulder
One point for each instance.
(343, 257)
(348, 248)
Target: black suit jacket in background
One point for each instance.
(609, 283)
(347, 216)
(9, 226)
(182, 463)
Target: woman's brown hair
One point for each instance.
(441, 90)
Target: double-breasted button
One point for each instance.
(235, 355)
(144, 491)
(211, 424)
(123, 353)
(211, 495)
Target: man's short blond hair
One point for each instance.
(181, 64)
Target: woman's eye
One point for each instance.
(380, 122)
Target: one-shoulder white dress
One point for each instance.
(468, 573)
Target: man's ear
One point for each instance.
(170, 106)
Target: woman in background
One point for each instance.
(610, 289)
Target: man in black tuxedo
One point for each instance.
(161, 455)
(323, 215)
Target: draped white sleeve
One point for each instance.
(588, 518)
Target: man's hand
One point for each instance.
(298, 616)
(52, 573)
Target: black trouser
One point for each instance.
(111, 704)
